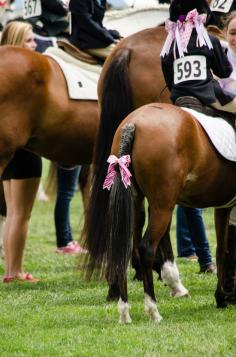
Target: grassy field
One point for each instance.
(64, 316)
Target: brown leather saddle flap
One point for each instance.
(75, 52)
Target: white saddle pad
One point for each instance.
(221, 133)
(81, 82)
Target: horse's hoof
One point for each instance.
(181, 294)
(230, 297)
(157, 319)
(125, 321)
(221, 303)
(179, 291)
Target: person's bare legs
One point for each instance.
(20, 196)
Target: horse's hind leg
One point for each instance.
(225, 259)
(123, 306)
(221, 225)
(2, 217)
(230, 267)
(158, 223)
(166, 267)
(139, 218)
(164, 263)
(113, 289)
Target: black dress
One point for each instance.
(23, 165)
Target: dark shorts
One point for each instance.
(23, 165)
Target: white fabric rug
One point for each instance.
(221, 134)
(81, 78)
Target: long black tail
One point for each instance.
(116, 104)
(108, 237)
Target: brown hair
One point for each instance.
(229, 19)
(14, 33)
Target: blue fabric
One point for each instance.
(191, 235)
(43, 44)
(66, 184)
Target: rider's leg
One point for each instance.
(101, 52)
(229, 107)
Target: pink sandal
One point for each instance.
(8, 279)
(26, 277)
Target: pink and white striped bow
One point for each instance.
(123, 163)
(170, 27)
(183, 31)
(198, 22)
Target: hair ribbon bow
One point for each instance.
(123, 163)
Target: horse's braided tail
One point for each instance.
(120, 215)
(110, 248)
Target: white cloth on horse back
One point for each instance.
(82, 79)
(221, 134)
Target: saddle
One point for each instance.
(76, 53)
(195, 104)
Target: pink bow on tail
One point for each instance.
(123, 163)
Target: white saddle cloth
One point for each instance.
(81, 78)
(221, 133)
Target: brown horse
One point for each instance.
(172, 161)
(132, 77)
(36, 112)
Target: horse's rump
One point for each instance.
(169, 139)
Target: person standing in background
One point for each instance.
(67, 180)
(20, 179)
(191, 237)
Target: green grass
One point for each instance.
(65, 316)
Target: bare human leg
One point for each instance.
(20, 195)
